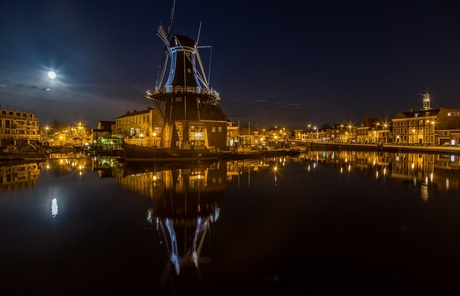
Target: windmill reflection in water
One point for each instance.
(186, 198)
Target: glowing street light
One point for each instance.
(154, 139)
(141, 136)
(47, 128)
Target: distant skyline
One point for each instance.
(273, 62)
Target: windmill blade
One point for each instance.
(201, 71)
(171, 19)
(165, 37)
(198, 37)
(162, 34)
(163, 65)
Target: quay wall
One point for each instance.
(383, 148)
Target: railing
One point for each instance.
(184, 89)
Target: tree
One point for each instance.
(59, 125)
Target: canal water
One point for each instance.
(324, 223)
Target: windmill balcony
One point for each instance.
(183, 89)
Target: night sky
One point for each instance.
(273, 62)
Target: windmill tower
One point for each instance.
(188, 106)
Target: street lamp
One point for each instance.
(80, 131)
(351, 134)
(385, 126)
(47, 128)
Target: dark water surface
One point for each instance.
(327, 223)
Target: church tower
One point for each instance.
(426, 101)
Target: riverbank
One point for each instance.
(26, 156)
(383, 148)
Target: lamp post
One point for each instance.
(341, 133)
(80, 132)
(154, 138)
(385, 126)
(47, 128)
(350, 133)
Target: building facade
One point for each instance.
(18, 128)
(143, 128)
(427, 126)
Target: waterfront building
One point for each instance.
(251, 137)
(333, 133)
(18, 128)
(232, 134)
(427, 126)
(103, 137)
(143, 128)
(367, 131)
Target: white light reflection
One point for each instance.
(447, 184)
(425, 193)
(377, 174)
(54, 207)
(149, 216)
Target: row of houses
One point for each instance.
(426, 126)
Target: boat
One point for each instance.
(143, 153)
(231, 155)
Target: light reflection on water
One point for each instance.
(351, 219)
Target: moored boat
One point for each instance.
(142, 153)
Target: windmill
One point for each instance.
(186, 103)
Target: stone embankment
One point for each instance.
(384, 147)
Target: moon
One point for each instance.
(51, 74)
